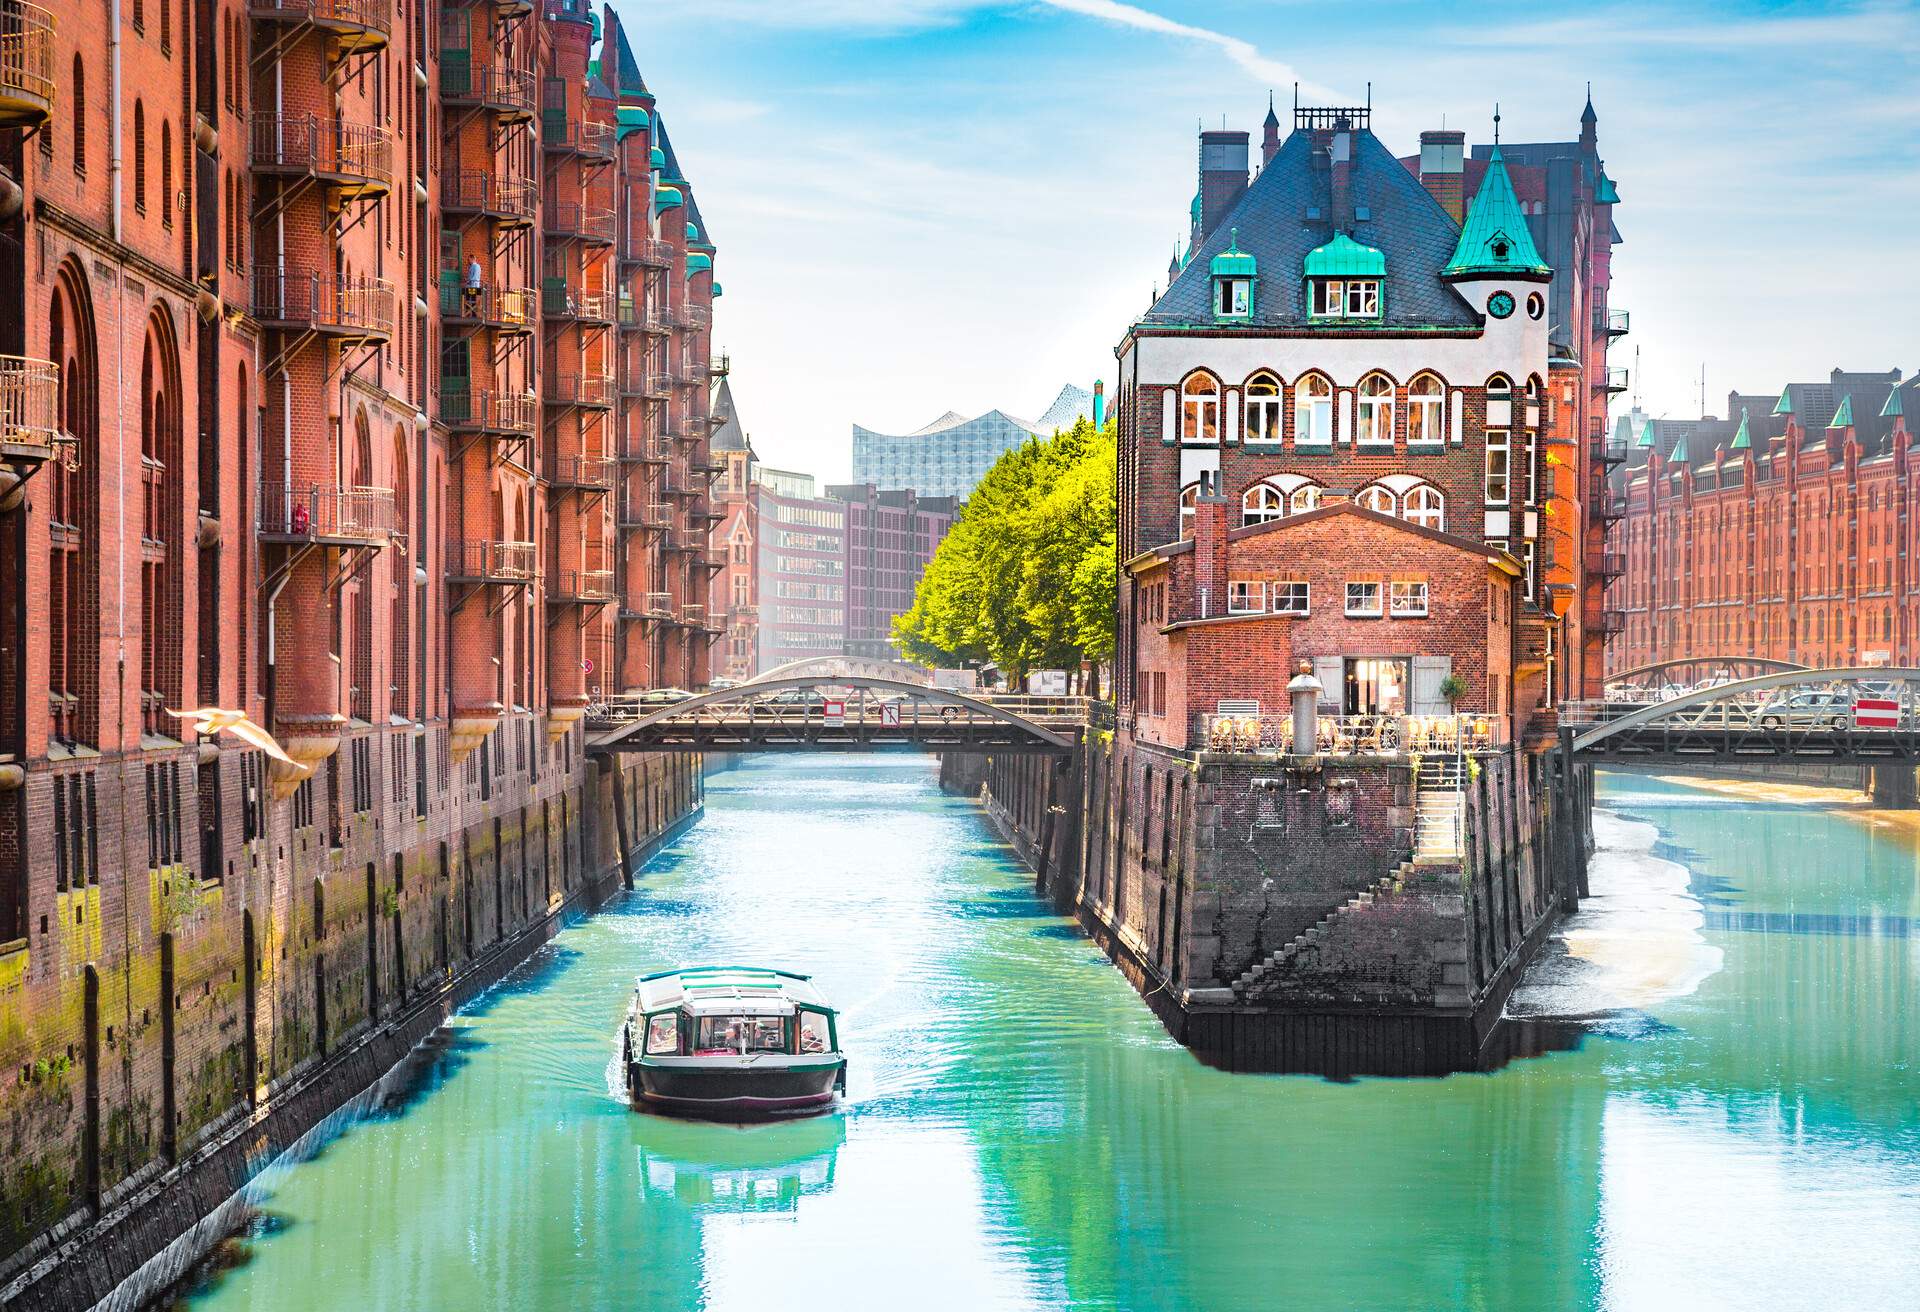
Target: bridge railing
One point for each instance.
(867, 712)
(1352, 735)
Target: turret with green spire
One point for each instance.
(1892, 410)
(1646, 435)
(1742, 439)
(1785, 407)
(1678, 456)
(1843, 417)
(1495, 240)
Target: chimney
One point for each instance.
(1209, 548)
(1099, 403)
(1340, 156)
(1223, 176)
(1443, 170)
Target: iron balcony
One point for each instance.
(564, 301)
(503, 309)
(334, 305)
(571, 221)
(507, 92)
(503, 413)
(27, 91)
(494, 562)
(586, 472)
(508, 201)
(356, 26)
(1611, 380)
(321, 513)
(353, 160)
(564, 135)
(29, 408)
(592, 390)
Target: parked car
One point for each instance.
(1807, 710)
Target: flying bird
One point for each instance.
(210, 720)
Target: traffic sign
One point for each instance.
(1876, 713)
(890, 714)
(586, 666)
(835, 711)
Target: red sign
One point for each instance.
(1876, 713)
(586, 666)
(835, 711)
(890, 714)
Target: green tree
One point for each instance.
(1027, 577)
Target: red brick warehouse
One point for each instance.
(354, 375)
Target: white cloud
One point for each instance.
(1268, 71)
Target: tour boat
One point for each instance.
(732, 1042)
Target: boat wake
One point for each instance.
(1634, 943)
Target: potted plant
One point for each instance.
(1453, 688)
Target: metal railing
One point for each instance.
(318, 512)
(584, 137)
(1610, 564)
(650, 251)
(307, 143)
(660, 604)
(1611, 622)
(1614, 323)
(571, 219)
(509, 90)
(485, 192)
(655, 320)
(368, 16)
(494, 306)
(569, 302)
(1352, 735)
(493, 412)
(583, 471)
(29, 401)
(324, 302)
(1611, 380)
(579, 389)
(693, 612)
(490, 561)
(584, 585)
(26, 60)
(699, 317)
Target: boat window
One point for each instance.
(814, 1035)
(663, 1034)
(742, 1034)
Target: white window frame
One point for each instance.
(1233, 298)
(1272, 504)
(1425, 505)
(1345, 298)
(1283, 595)
(1264, 413)
(1363, 298)
(1199, 411)
(1312, 415)
(1363, 611)
(1241, 592)
(1188, 496)
(1374, 412)
(1373, 492)
(1426, 412)
(1303, 498)
(1407, 598)
(1499, 485)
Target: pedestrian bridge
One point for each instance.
(834, 711)
(1866, 715)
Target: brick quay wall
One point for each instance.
(1268, 909)
(164, 1038)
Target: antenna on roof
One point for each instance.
(1496, 122)
(1703, 389)
(1636, 378)
(1369, 100)
(1296, 101)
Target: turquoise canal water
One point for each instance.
(1739, 1131)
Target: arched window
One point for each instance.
(1424, 505)
(1200, 408)
(1376, 498)
(166, 170)
(359, 666)
(79, 116)
(1313, 411)
(1263, 408)
(1426, 411)
(1187, 497)
(166, 26)
(140, 157)
(1303, 498)
(1375, 413)
(73, 617)
(400, 566)
(1262, 502)
(161, 546)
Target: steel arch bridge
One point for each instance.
(1707, 664)
(1743, 722)
(858, 667)
(795, 713)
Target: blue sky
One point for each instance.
(933, 204)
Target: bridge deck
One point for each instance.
(753, 723)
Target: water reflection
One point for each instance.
(758, 1169)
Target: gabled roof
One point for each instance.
(729, 436)
(626, 69)
(1495, 240)
(1843, 417)
(1785, 406)
(1678, 455)
(1494, 556)
(1285, 214)
(1892, 409)
(1743, 440)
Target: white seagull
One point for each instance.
(210, 720)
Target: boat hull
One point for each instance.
(732, 1089)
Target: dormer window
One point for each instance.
(1346, 298)
(1233, 272)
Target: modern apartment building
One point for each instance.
(891, 535)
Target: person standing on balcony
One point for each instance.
(470, 298)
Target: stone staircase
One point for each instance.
(1440, 802)
(1385, 888)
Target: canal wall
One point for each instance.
(176, 1035)
(1271, 911)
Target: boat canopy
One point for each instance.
(730, 990)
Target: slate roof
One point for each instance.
(626, 69)
(1284, 214)
(729, 436)
(664, 144)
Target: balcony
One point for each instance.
(1611, 622)
(660, 605)
(565, 136)
(560, 301)
(357, 26)
(572, 221)
(693, 614)
(689, 375)
(595, 390)
(354, 160)
(1609, 565)
(334, 305)
(26, 65)
(500, 413)
(1611, 322)
(698, 318)
(340, 516)
(656, 321)
(507, 310)
(1611, 381)
(584, 581)
(589, 473)
(718, 366)
(650, 515)
(648, 451)
(648, 251)
(29, 409)
(507, 92)
(1609, 451)
(510, 202)
(489, 562)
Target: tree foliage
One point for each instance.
(1026, 579)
